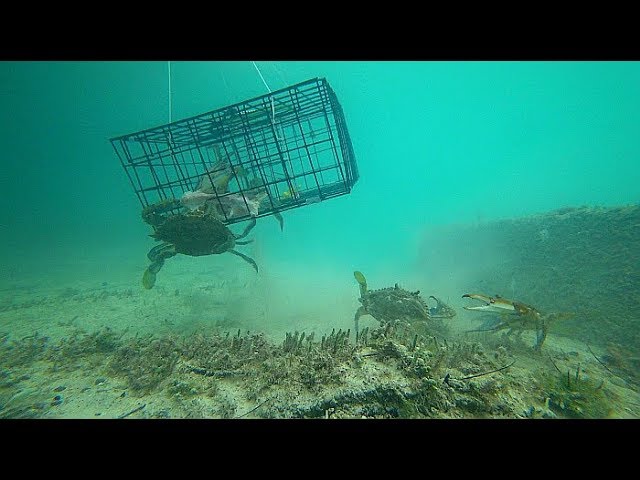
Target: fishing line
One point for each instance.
(273, 108)
(261, 77)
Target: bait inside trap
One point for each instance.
(283, 150)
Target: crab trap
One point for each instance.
(279, 151)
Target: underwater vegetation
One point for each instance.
(388, 371)
(575, 394)
(144, 362)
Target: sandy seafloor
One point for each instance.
(200, 295)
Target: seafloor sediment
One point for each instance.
(389, 372)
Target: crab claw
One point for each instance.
(492, 304)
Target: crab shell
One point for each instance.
(195, 235)
(388, 304)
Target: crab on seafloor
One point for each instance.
(515, 316)
(394, 303)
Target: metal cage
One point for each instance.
(283, 150)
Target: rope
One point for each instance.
(261, 77)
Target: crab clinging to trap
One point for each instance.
(195, 234)
(514, 316)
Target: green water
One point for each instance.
(436, 143)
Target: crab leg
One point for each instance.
(247, 259)
(360, 312)
(247, 229)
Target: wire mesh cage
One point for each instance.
(279, 151)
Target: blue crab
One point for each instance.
(514, 315)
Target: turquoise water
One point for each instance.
(436, 143)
